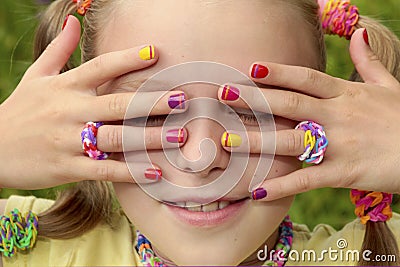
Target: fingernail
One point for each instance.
(177, 136)
(259, 193)
(153, 174)
(259, 71)
(65, 22)
(177, 101)
(231, 140)
(365, 36)
(230, 93)
(147, 53)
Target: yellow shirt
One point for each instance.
(103, 246)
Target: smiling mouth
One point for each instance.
(198, 207)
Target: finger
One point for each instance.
(304, 80)
(286, 104)
(122, 106)
(110, 138)
(294, 183)
(111, 65)
(367, 63)
(85, 168)
(283, 143)
(57, 53)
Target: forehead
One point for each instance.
(232, 32)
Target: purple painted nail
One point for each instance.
(259, 193)
(177, 136)
(177, 101)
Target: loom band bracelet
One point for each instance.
(89, 141)
(315, 142)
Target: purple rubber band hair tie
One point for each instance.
(339, 17)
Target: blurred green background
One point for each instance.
(332, 206)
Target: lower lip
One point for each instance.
(207, 219)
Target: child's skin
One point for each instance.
(137, 25)
(254, 36)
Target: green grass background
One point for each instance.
(332, 206)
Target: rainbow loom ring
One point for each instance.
(315, 142)
(89, 141)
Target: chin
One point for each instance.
(223, 232)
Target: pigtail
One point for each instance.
(80, 208)
(340, 18)
(50, 26)
(378, 238)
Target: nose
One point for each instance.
(202, 152)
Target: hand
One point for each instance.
(41, 122)
(361, 121)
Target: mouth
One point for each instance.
(206, 215)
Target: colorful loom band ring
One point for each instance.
(89, 141)
(315, 142)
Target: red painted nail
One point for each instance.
(153, 174)
(177, 136)
(365, 36)
(65, 22)
(230, 93)
(259, 71)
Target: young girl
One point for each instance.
(81, 228)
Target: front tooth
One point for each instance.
(193, 206)
(210, 207)
(223, 204)
(181, 204)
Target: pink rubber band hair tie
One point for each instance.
(338, 17)
(372, 206)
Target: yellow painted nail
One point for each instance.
(147, 52)
(231, 140)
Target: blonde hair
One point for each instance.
(82, 207)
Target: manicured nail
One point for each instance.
(147, 53)
(230, 93)
(259, 71)
(177, 101)
(177, 136)
(153, 174)
(65, 22)
(231, 140)
(365, 36)
(259, 193)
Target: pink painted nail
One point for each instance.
(230, 93)
(177, 136)
(153, 174)
(65, 22)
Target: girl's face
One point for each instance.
(234, 33)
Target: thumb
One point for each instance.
(368, 65)
(58, 52)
